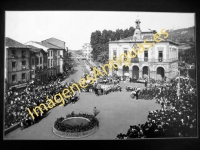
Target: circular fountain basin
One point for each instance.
(76, 121)
(72, 121)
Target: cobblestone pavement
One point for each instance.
(117, 112)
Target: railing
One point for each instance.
(14, 56)
(160, 59)
(14, 82)
(135, 60)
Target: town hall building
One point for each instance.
(158, 62)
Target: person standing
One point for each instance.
(137, 93)
(145, 83)
(95, 111)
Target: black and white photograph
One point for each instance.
(100, 75)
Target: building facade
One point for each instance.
(52, 66)
(38, 64)
(87, 49)
(60, 51)
(157, 62)
(17, 69)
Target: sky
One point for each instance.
(75, 27)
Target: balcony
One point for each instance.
(160, 59)
(14, 56)
(146, 59)
(14, 82)
(134, 60)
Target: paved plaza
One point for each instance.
(117, 112)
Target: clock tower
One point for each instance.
(137, 33)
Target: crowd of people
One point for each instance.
(177, 117)
(17, 102)
(148, 94)
(107, 89)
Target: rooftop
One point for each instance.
(15, 44)
(33, 48)
(49, 45)
(145, 36)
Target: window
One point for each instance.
(45, 59)
(58, 53)
(40, 60)
(51, 53)
(23, 76)
(145, 55)
(51, 63)
(32, 61)
(23, 63)
(13, 53)
(13, 64)
(160, 55)
(40, 67)
(23, 53)
(37, 61)
(13, 77)
(132, 52)
(114, 54)
(125, 52)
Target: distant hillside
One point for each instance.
(185, 35)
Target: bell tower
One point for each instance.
(137, 22)
(137, 33)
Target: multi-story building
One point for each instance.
(52, 66)
(56, 51)
(87, 49)
(157, 62)
(38, 64)
(17, 68)
(61, 50)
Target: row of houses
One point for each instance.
(32, 61)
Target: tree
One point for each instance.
(99, 42)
